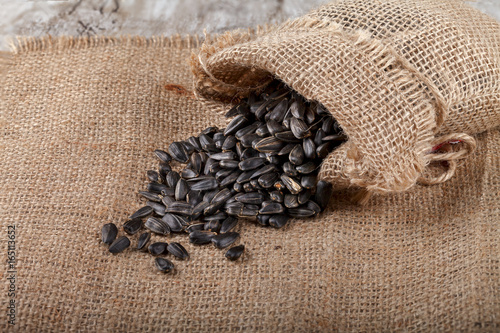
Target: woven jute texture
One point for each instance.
(400, 77)
(79, 121)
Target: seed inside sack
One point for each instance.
(263, 166)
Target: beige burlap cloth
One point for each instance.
(79, 119)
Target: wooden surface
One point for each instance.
(151, 17)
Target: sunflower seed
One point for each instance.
(174, 222)
(291, 184)
(156, 187)
(177, 250)
(224, 240)
(213, 226)
(278, 113)
(268, 145)
(276, 196)
(143, 240)
(289, 169)
(142, 212)
(235, 124)
(272, 208)
(189, 174)
(228, 164)
(324, 191)
(157, 207)
(210, 130)
(194, 227)
(278, 221)
(207, 144)
(172, 179)
(205, 185)
(306, 168)
(297, 110)
(200, 207)
(253, 198)
(189, 148)
(304, 196)
(309, 148)
(251, 163)
(248, 139)
(297, 155)
(274, 127)
(108, 233)
(119, 245)
(310, 115)
(247, 130)
(179, 207)
(163, 155)
(291, 201)
(268, 180)
(263, 220)
(287, 136)
(228, 155)
(228, 224)
(223, 173)
(200, 237)
(167, 200)
(262, 131)
(235, 252)
(178, 152)
(299, 128)
(181, 190)
(324, 149)
(300, 212)
(327, 124)
(195, 142)
(164, 265)
(218, 216)
(231, 178)
(150, 196)
(308, 181)
(222, 196)
(157, 248)
(157, 226)
(153, 175)
(229, 143)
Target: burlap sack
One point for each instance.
(79, 119)
(400, 77)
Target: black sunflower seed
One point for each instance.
(228, 224)
(188, 147)
(318, 138)
(251, 163)
(156, 187)
(158, 208)
(264, 170)
(269, 145)
(224, 240)
(308, 181)
(286, 136)
(164, 265)
(247, 130)
(210, 130)
(228, 164)
(143, 240)
(178, 152)
(235, 124)
(291, 201)
(313, 206)
(228, 155)
(150, 196)
(279, 111)
(324, 191)
(231, 178)
(263, 220)
(213, 225)
(189, 174)
(174, 222)
(229, 143)
(153, 175)
(299, 128)
(177, 250)
(181, 190)
(167, 200)
(235, 252)
(304, 196)
(157, 248)
(297, 110)
(142, 212)
(194, 227)
(157, 226)
(300, 212)
(119, 245)
(291, 184)
(200, 237)
(180, 207)
(200, 207)
(207, 143)
(274, 127)
(195, 142)
(289, 169)
(205, 185)
(262, 131)
(272, 208)
(276, 196)
(222, 196)
(324, 149)
(253, 198)
(306, 168)
(278, 221)
(249, 153)
(163, 155)
(172, 179)
(327, 124)
(309, 148)
(297, 155)
(108, 233)
(267, 180)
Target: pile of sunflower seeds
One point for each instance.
(262, 166)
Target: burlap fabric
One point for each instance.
(400, 77)
(79, 121)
